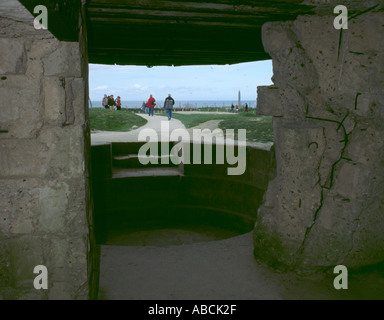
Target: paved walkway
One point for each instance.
(163, 129)
(154, 123)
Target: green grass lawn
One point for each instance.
(112, 120)
(258, 128)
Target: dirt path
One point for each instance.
(154, 122)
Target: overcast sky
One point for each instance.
(213, 82)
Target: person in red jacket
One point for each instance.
(118, 103)
(151, 104)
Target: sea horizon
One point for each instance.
(194, 104)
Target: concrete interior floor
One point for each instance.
(180, 264)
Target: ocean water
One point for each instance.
(194, 104)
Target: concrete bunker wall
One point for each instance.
(44, 150)
(325, 207)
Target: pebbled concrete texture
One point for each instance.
(325, 205)
(43, 153)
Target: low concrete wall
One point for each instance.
(201, 193)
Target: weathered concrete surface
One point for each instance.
(325, 206)
(44, 142)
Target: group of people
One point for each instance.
(237, 108)
(110, 103)
(149, 106)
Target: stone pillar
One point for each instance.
(325, 206)
(44, 148)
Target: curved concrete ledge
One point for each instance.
(199, 195)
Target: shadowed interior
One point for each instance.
(197, 198)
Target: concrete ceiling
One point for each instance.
(160, 32)
(181, 32)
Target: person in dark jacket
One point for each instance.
(111, 102)
(168, 106)
(144, 107)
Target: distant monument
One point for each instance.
(239, 100)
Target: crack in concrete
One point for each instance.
(362, 12)
(348, 19)
(324, 187)
(357, 96)
(340, 40)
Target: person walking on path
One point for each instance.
(105, 101)
(144, 107)
(168, 106)
(151, 104)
